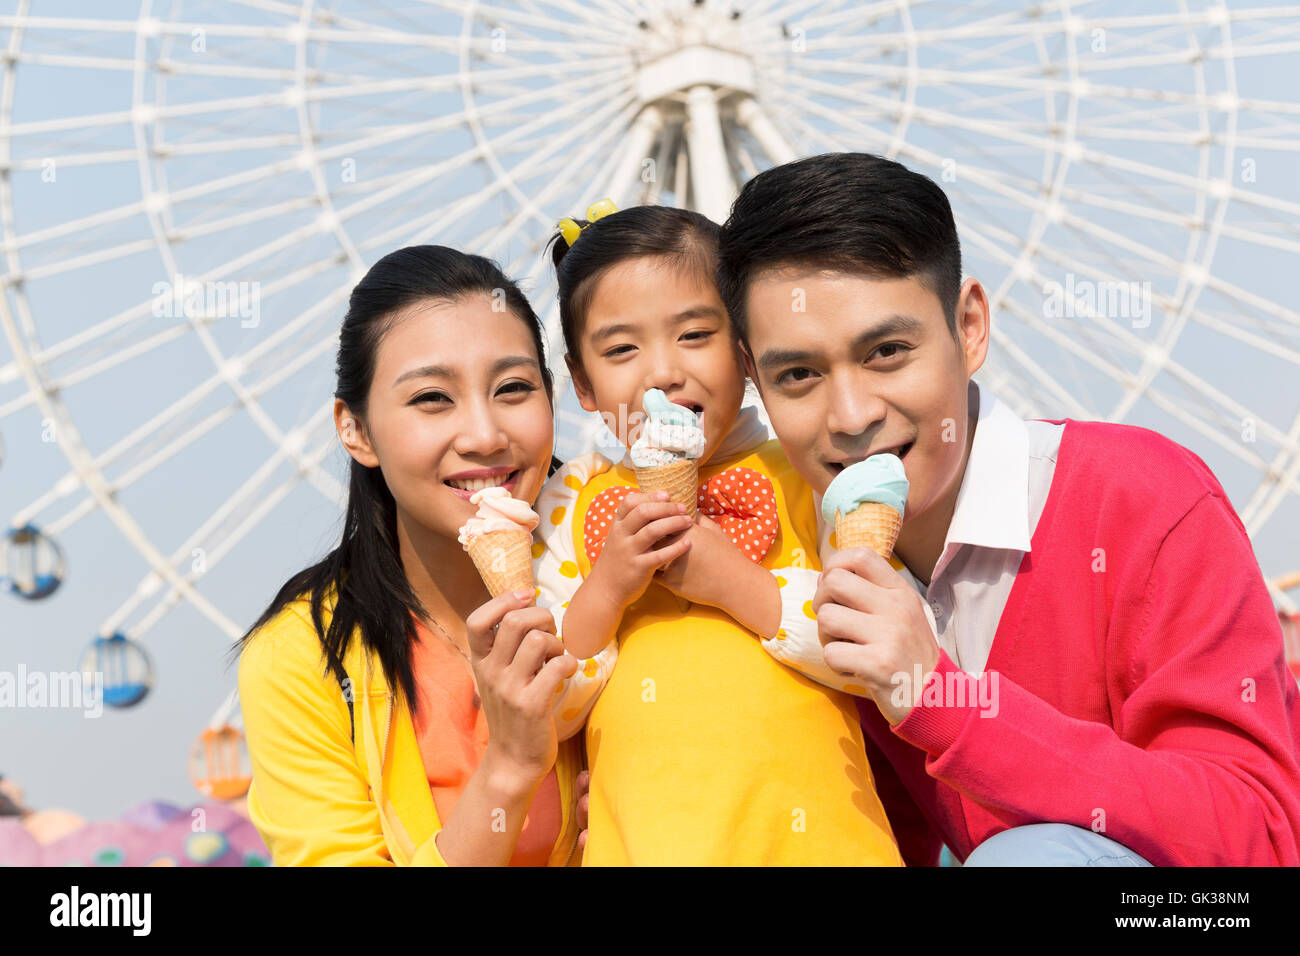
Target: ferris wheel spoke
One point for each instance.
(1066, 218)
(496, 235)
(809, 139)
(612, 12)
(1017, 23)
(578, 107)
(491, 111)
(1272, 489)
(1232, 329)
(86, 342)
(290, 34)
(1024, 79)
(999, 24)
(224, 183)
(183, 68)
(216, 538)
(74, 448)
(1253, 300)
(1009, 386)
(1009, 250)
(540, 20)
(1046, 381)
(794, 12)
(995, 53)
(1203, 414)
(158, 441)
(620, 112)
(941, 119)
(1084, 270)
(1195, 383)
(851, 16)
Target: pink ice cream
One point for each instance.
(497, 511)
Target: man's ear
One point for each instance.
(973, 325)
(352, 433)
(581, 386)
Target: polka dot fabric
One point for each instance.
(740, 500)
(743, 504)
(600, 518)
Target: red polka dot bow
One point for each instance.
(740, 500)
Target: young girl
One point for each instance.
(703, 749)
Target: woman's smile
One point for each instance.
(465, 483)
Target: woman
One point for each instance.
(395, 714)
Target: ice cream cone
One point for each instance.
(504, 560)
(681, 480)
(873, 524)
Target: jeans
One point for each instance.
(1052, 844)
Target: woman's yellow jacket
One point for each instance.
(319, 799)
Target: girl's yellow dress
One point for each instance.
(704, 750)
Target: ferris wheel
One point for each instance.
(189, 190)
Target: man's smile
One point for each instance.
(838, 465)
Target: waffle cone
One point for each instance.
(681, 480)
(872, 524)
(504, 560)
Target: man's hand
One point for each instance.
(872, 625)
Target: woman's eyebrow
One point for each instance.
(446, 371)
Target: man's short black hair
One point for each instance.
(852, 212)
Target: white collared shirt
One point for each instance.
(1003, 492)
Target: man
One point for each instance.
(1107, 684)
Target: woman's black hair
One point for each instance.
(853, 212)
(688, 240)
(372, 589)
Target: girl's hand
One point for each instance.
(702, 575)
(716, 573)
(632, 550)
(519, 664)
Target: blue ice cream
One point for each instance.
(671, 433)
(878, 478)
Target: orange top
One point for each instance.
(453, 735)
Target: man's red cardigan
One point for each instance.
(1141, 687)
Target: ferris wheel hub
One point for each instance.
(689, 47)
(692, 66)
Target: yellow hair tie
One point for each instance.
(570, 229)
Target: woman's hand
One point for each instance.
(519, 664)
(631, 554)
